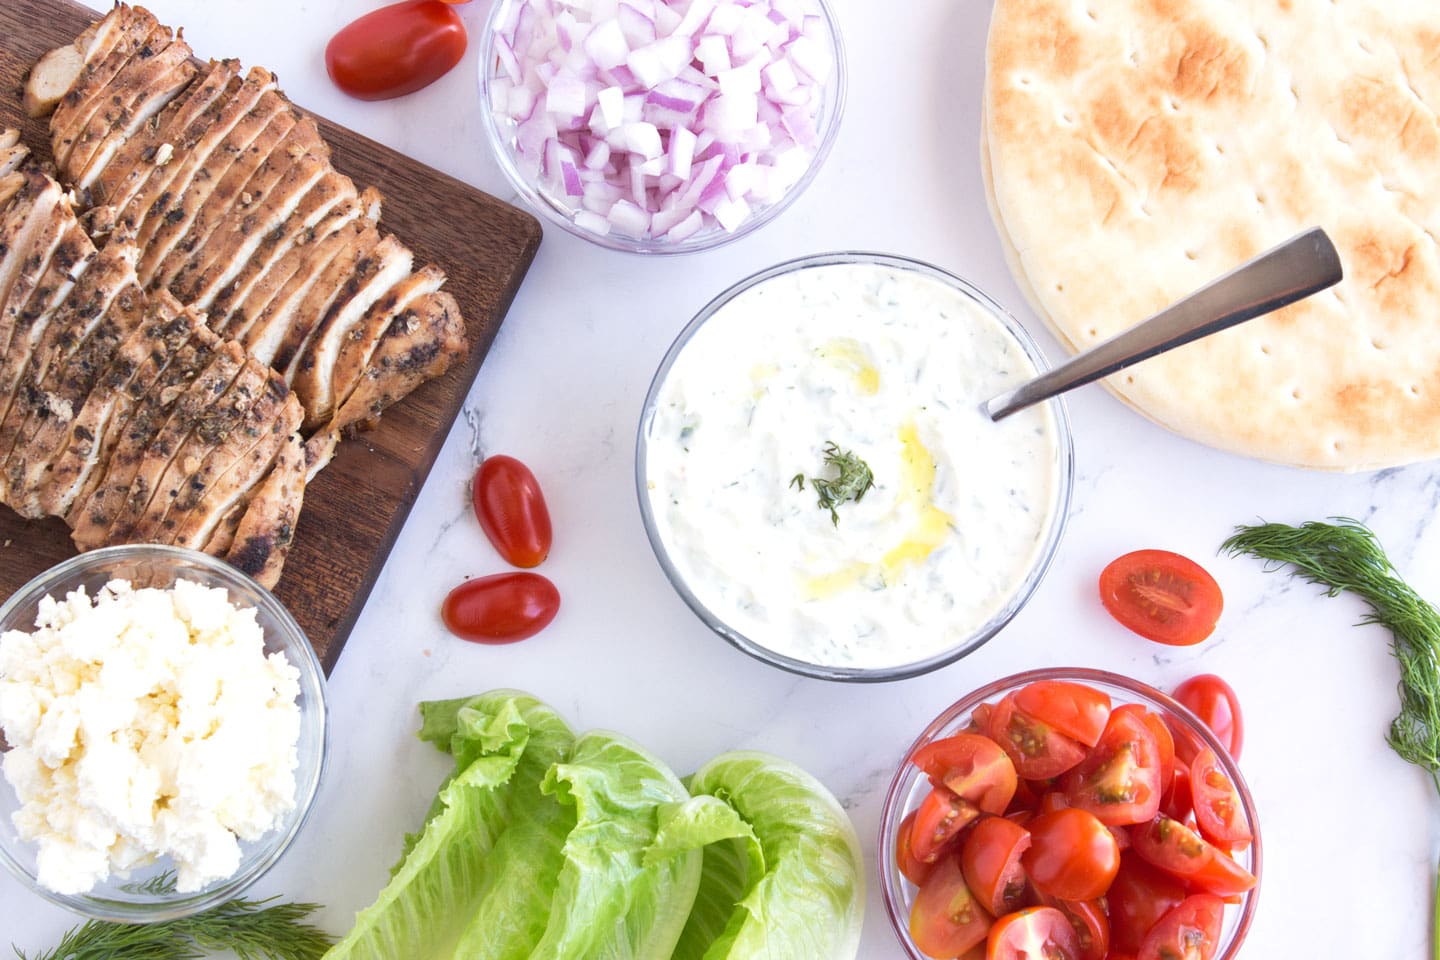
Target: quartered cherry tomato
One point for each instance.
(990, 861)
(1213, 701)
(945, 919)
(1036, 932)
(1072, 855)
(938, 821)
(1218, 812)
(1092, 926)
(1188, 931)
(1138, 897)
(1201, 866)
(396, 50)
(911, 868)
(1073, 709)
(971, 766)
(501, 608)
(512, 510)
(1162, 596)
(1119, 781)
(1037, 750)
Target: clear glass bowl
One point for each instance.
(130, 899)
(1059, 507)
(910, 785)
(501, 134)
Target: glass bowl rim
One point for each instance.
(313, 702)
(1065, 451)
(906, 774)
(836, 90)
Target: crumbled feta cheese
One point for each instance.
(145, 724)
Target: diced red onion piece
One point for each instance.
(629, 219)
(606, 45)
(592, 222)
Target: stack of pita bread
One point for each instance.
(1137, 149)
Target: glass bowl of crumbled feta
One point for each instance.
(164, 732)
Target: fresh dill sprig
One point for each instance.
(850, 484)
(1346, 556)
(251, 929)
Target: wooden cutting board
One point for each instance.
(354, 509)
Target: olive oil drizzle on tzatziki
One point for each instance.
(885, 364)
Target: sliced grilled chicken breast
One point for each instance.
(89, 89)
(267, 527)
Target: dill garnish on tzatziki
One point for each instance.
(822, 479)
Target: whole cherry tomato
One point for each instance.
(1162, 596)
(512, 510)
(501, 608)
(396, 50)
(1213, 701)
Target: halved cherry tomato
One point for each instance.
(945, 919)
(395, 50)
(1138, 897)
(973, 767)
(1072, 855)
(1119, 780)
(938, 821)
(512, 510)
(911, 868)
(1215, 703)
(990, 861)
(1218, 812)
(501, 608)
(1036, 750)
(1162, 596)
(1091, 925)
(1035, 933)
(1073, 709)
(1188, 931)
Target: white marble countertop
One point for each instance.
(562, 390)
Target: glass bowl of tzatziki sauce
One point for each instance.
(819, 483)
(183, 738)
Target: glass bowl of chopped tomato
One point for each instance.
(661, 128)
(1072, 813)
(163, 741)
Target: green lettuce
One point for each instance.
(504, 743)
(802, 897)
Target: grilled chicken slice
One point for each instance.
(23, 365)
(12, 154)
(58, 72)
(142, 89)
(311, 373)
(89, 87)
(31, 281)
(359, 343)
(31, 211)
(267, 527)
(200, 169)
(87, 327)
(229, 311)
(230, 470)
(128, 436)
(419, 345)
(189, 409)
(114, 106)
(155, 143)
(260, 211)
(92, 433)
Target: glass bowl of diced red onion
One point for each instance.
(661, 126)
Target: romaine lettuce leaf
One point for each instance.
(504, 743)
(806, 901)
(610, 904)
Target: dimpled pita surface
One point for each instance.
(1137, 149)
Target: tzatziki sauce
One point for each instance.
(885, 362)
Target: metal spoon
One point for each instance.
(1300, 266)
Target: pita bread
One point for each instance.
(1137, 149)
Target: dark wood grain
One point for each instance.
(354, 509)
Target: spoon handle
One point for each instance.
(1300, 266)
